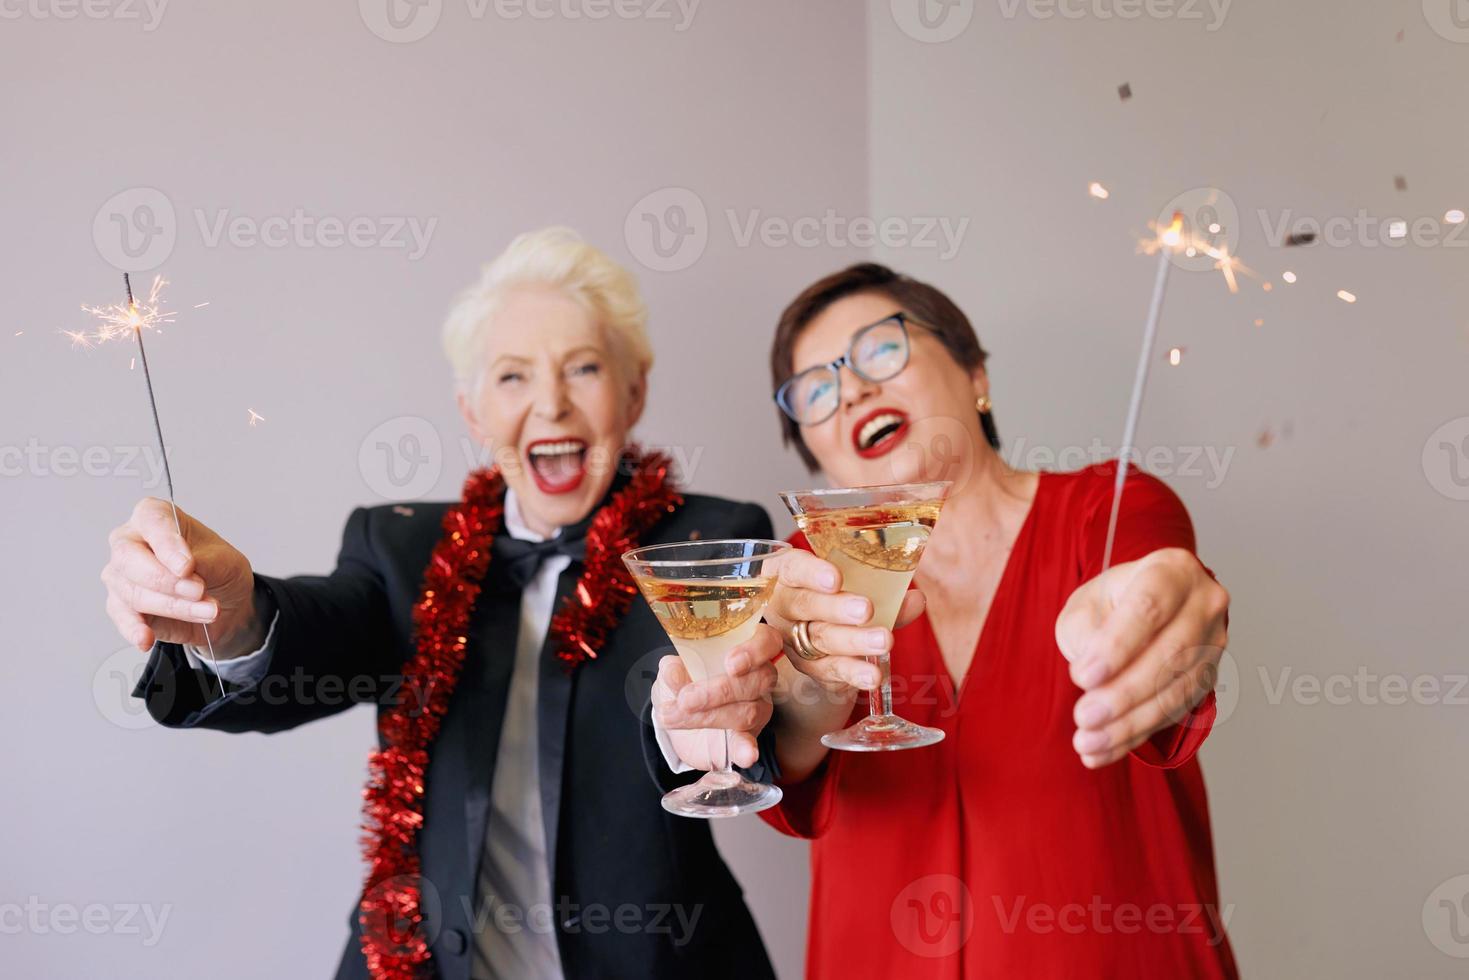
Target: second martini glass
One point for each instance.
(875, 535)
(708, 596)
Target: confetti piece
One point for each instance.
(1400, 182)
(200, 306)
(402, 511)
(1214, 228)
(1288, 276)
(1259, 323)
(1175, 356)
(1124, 91)
(1267, 286)
(1265, 438)
(1454, 216)
(1397, 229)
(19, 332)
(254, 416)
(1300, 238)
(1345, 296)
(1097, 191)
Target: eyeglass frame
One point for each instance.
(782, 393)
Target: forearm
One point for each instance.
(805, 710)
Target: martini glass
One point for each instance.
(708, 596)
(875, 535)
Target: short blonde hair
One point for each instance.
(561, 259)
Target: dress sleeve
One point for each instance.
(1151, 518)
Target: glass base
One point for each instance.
(883, 733)
(721, 794)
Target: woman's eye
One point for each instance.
(510, 376)
(818, 392)
(591, 367)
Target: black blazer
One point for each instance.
(639, 892)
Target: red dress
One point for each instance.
(996, 853)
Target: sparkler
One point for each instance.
(1169, 241)
(118, 321)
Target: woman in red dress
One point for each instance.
(1061, 828)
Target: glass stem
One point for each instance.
(880, 701)
(723, 762)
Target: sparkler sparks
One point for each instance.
(255, 416)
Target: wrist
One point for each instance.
(254, 626)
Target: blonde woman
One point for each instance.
(514, 831)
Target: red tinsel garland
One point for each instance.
(393, 939)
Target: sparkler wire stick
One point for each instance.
(163, 452)
(1170, 237)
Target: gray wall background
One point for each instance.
(747, 138)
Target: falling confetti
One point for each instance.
(1175, 356)
(1097, 191)
(1259, 322)
(1345, 296)
(1454, 216)
(1400, 183)
(1265, 438)
(1397, 229)
(1124, 91)
(1288, 276)
(1300, 238)
(254, 417)
(1267, 286)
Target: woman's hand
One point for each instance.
(809, 589)
(1144, 641)
(738, 701)
(163, 585)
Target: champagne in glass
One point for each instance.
(875, 536)
(708, 596)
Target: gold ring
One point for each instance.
(801, 641)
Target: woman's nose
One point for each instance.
(551, 403)
(857, 389)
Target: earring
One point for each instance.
(983, 404)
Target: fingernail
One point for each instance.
(188, 588)
(1093, 713)
(1091, 742)
(856, 609)
(1092, 673)
(738, 662)
(203, 610)
(178, 562)
(875, 640)
(871, 678)
(828, 580)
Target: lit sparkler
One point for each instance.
(133, 317)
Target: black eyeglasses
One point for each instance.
(877, 352)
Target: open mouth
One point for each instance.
(879, 432)
(557, 465)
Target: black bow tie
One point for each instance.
(521, 559)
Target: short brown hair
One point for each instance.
(926, 304)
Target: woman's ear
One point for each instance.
(637, 399)
(980, 380)
(467, 411)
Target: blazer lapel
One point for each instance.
(483, 687)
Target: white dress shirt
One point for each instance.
(513, 924)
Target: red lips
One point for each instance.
(891, 424)
(557, 472)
